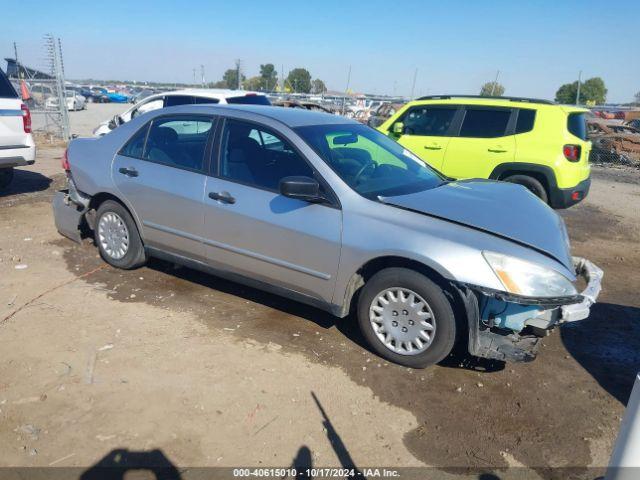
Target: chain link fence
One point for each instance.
(49, 115)
(44, 91)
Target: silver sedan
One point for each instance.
(332, 213)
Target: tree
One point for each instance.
(268, 76)
(592, 91)
(637, 97)
(300, 80)
(230, 79)
(253, 83)
(318, 86)
(492, 89)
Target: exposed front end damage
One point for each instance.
(502, 327)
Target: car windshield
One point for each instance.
(368, 161)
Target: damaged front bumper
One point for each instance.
(503, 328)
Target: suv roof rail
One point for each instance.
(512, 99)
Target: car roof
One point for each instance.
(210, 92)
(509, 102)
(291, 117)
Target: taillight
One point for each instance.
(26, 118)
(65, 160)
(571, 152)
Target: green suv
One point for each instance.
(536, 143)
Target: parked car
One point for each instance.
(181, 97)
(335, 214)
(99, 95)
(117, 97)
(141, 95)
(304, 105)
(17, 147)
(535, 143)
(74, 101)
(635, 123)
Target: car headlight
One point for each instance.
(528, 279)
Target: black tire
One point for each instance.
(445, 332)
(6, 177)
(135, 255)
(532, 184)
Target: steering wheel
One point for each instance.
(368, 164)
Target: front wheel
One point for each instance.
(532, 184)
(406, 318)
(117, 237)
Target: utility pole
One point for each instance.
(578, 91)
(346, 90)
(194, 77)
(413, 85)
(495, 83)
(238, 73)
(202, 74)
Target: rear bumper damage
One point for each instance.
(69, 209)
(501, 329)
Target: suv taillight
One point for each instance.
(65, 160)
(26, 118)
(571, 152)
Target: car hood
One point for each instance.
(503, 209)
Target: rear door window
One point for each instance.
(135, 146)
(249, 100)
(178, 141)
(173, 100)
(485, 123)
(206, 100)
(526, 119)
(577, 125)
(428, 121)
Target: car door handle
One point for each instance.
(496, 150)
(129, 172)
(224, 197)
(433, 147)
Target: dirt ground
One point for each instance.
(211, 373)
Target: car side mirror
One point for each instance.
(398, 128)
(306, 189)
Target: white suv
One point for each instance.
(17, 147)
(188, 96)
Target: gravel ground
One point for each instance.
(211, 373)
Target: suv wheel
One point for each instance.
(117, 237)
(406, 318)
(533, 185)
(6, 177)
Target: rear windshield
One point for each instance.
(6, 89)
(577, 125)
(250, 100)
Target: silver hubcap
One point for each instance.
(113, 235)
(402, 320)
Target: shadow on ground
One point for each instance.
(607, 345)
(25, 181)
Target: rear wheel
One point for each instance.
(406, 318)
(6, 177)
(117, 237)
(532, 184)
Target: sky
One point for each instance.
(455, 46)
